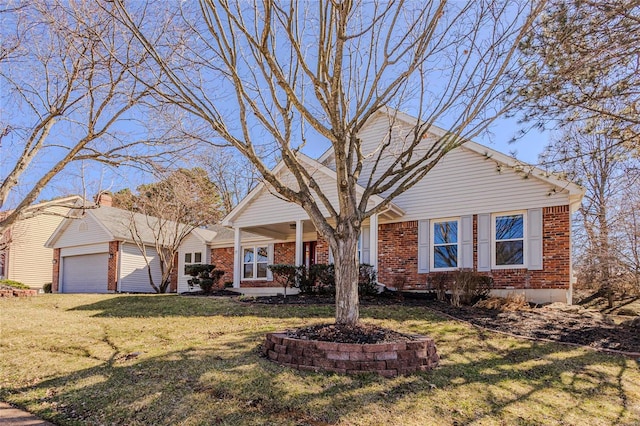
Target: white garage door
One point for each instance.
(85, 273)
(134, 275)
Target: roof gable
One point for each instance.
(261, 197)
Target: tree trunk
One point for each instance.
(345, 253)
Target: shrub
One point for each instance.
(324, 278)
(468, 287)
(14, 284)
(205, 276)
(287, 275)
(47, 287)
(228, 284)
(367, 280)
(439, 281)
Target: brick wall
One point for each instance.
(223, 259)
(398, 256)
(112, 270)
(173, 279)
(322, 250)
(398, 248)
(55, 275)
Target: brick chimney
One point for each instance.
(104, 199)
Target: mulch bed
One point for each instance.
(559, 323)
(340, 333)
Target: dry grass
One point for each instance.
(165, 360)
(511, 303)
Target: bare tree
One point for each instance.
(66, 97)
(627, 248)
(271, 77)
(606, 170)
(232, 174)
(166, 212)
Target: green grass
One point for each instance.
(165, 360)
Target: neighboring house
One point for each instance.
(477, 209)
(23, 256)
(95, 253)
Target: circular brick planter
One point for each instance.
(386, 359)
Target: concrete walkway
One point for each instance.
(10, 416)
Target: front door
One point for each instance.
(309, 254)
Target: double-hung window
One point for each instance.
(254, 262)
(444, 244)
(509, 236)
(191, 259)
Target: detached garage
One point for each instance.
(95, 253)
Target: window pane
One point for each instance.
(262, 255)
(248, 270)
(509, 227)
(510, 252)
(445, 256)
(248, 255)
(445, 232)
(187, 258)
(262, 270)
(197, 257)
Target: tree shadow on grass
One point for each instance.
(149, 306)
(229, 383)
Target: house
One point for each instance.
(23, 256)
(96, 252)
(476, 209)
(195, 249)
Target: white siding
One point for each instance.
(82, 232)
(191, 244)
(134, 276)
(85, 273)
(85, 249)
(30, 262)
(463, 182)
(267, 208)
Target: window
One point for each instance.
(192, 258)
(508, 232)
(254, 263)
(445, 244)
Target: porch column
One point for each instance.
(237, 257)
(373, 241)
(299, 244)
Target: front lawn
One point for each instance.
(154, 360)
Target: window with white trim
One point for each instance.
(254, 262)
(192, 259)
(508, 239)
(444, 244)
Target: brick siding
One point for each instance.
(398, 256)
(55, 275)
(398, 248)
(112, 270)
(223, 259)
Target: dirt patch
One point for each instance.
(556, 322)
(339, 333)
(220, 292)
(569, 325)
